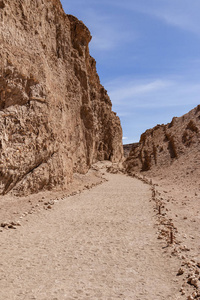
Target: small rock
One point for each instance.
(180, 272)
(197, 272)
(193, 281)
(4, 224)
(194, 294)
(183, 292)
(10, 226)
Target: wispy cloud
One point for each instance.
(179, 13)
(126, 94)
(123, 90)
(105, 29)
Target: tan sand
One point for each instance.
(99, 244)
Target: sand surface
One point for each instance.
(99, 244)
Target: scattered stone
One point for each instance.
(197, 272)
(193, 281)
(4, 224)
(182, 291)
(194, 294)
(10, 226)
(180, 272)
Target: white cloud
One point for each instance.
(155, 93)
(122, 89)
(105, 30)
(183, 14)
(125, 138)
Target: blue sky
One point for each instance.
(148, 57)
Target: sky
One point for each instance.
(148, 57)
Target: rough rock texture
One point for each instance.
(164, 144)
(128, 147)
(55, 116)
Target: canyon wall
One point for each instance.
(55, 116)
(162, 145)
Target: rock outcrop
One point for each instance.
(55, 116)
(161, 146)
(128, 147)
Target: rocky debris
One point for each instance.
(10, 225)
(116, 169)
(37, 203)
(180, 272)
(193, 280)
(128, 148)
(168, 234)
(160, 146)
(55, 116)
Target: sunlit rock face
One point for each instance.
(162, 145)
(55, 116)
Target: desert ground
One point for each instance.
(107, 240)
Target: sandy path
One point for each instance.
(100, 244)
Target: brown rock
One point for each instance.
(163, 144)
(55, 116)
(180, 272)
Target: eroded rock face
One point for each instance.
(55, 116)
(160, 146)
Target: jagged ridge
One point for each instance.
(161, 145)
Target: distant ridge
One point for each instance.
(162, 145)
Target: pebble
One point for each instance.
(180, 272)
(193, 281)
(194, 294)
(197, 272)
(4, 224)
(182, 291)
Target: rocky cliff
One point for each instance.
(55, 116)
(128, 147)
(161, 146)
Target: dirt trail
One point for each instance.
(100, 244)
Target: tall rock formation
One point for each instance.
(162, 145)
(55, 116)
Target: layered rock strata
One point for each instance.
(55, 116)
(162, 145)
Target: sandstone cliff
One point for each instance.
(163, 145)
(55, 116)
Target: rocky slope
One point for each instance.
(128, 147)
(167, 145)
(55, 116)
